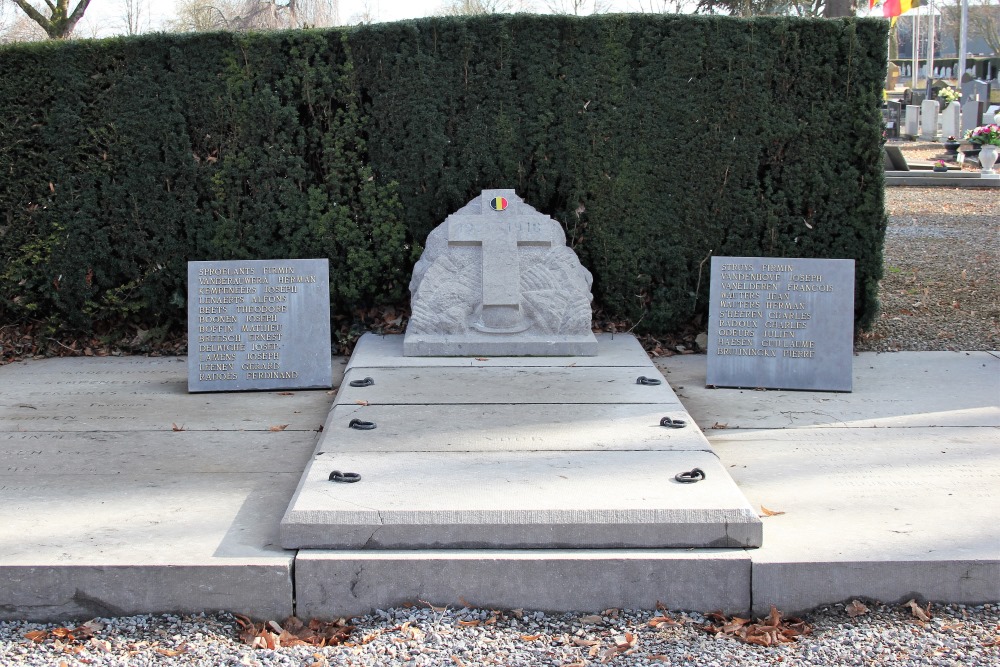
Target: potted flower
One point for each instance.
(951, 145)
(940, 166)
(987, 139)
(948, 95)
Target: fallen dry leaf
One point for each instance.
(919, 612)
(593, 619)
(856, 608)
(36, 636)
(657, 621)
(178, 428)
(767, 512)
(361, 402)
(279, 427)
(286, 393)
(765, 632)
(530, 638)
(585, 642)
(719, 426)
(482, 359)
(469, 624)
(173, 653)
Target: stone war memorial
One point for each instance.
(500, 424)
(497, 278)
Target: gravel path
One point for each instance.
(953, 636)
(942, 259)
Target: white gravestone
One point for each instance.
(497, 279)
(951, 120)
(912, 120)
(929, 120)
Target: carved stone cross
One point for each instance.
(500, 232)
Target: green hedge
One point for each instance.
(655, 140)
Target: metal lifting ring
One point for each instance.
(360, 425)
(691, 476)
(344, 477)
(673, 423)
(367, 382)
(642, 379)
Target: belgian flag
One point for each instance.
(893, 8)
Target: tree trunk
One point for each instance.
(837, 8)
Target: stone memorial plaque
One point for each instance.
(781, 323)
(259, 325)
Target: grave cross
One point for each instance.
(499, 230)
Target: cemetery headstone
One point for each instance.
(497, 279)
(929, 120)
(781, 323)
(259, 325)
(912, 121)
(972, 115)
(894, 119)
(951, 120)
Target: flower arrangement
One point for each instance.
(984, 135)
(949, 95)
(940, 163)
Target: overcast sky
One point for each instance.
(104, 16)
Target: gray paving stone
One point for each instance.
(109, 511)
(518, 500)
(136, 543)
(483, 386)
(374, 351)
(331, 584)
(890, 390)
(87, 396)
(53, 591)
(465, 428)
(114, 453)
(913, 512)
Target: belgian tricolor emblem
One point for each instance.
(498, 203)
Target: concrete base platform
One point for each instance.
(484, 344)
(331, 583)
(509, 458)
(108, 510)
(889, 493)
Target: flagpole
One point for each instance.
(963, 36)
(930, 48)
(915, 49)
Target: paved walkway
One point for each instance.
(122, 493)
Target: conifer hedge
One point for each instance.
(656, 141)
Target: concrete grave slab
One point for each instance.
(85, 544)
(118, 514)
(331, 584)
(859, 512)
(518, 500)
(890, 390)
(493, 428)
(86, 396)
(374, 351)
(115, 453)
(458, 385)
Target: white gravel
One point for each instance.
(887, 635)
